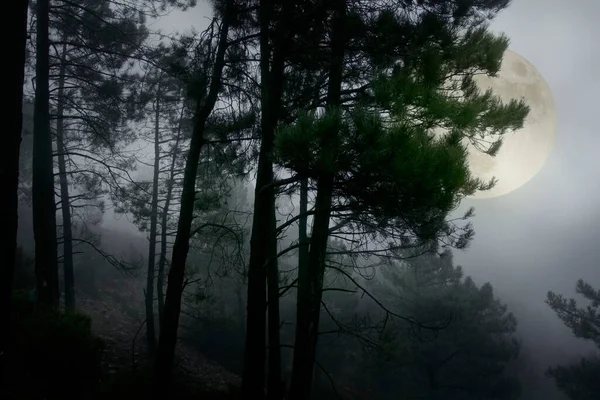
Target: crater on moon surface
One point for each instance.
(520, 69)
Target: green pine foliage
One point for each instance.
(399, 152)
(385, 172)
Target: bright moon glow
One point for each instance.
(523, 152)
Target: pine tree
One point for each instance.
(204, 90)
(165, 107)
(464, 355)
(90, 109)
(286, 80)
(579, 381)
(44, 217)
(373, 156)
(84, 107)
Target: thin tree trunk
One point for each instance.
(168, 332)
(263, 247)
(150, 327)
(303, 251)
(44, 215)
(9, 165)
(274, 384)
(240, 306)
(164, 220)
(253, 378)
(302, 232)
(69, 275)
(162, 260)
(310, 290)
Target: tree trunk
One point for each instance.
(310, 284)
(9, 165)
(253, 378)
(263, 247)
(170, 321)
(162, 260)
(274, 383)
(163, 228)
(150, 327)
(168, 332)
(44, 214)
(69, 275)
(303, 252)
(240, 305)
(302, 232)
(310, 287)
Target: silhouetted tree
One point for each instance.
(44, 215)
(166, 110)
(90, 105)
(468, 357)
(204, 90)
(579, 381)
(375, 161)
(9, 167)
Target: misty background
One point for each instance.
(543, 236)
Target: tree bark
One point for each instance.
(44, 215)
(263, 243)
(163, 228)
(310, 283)
(69, 275)
(150, 327)
(274, 384)
(165, 351)
(302, 232)
(9, 164)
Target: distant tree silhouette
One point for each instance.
(579, 381)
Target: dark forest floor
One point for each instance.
(126, 363)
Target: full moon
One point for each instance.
(523, 152)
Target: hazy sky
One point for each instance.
(197, 18)
(544, 235)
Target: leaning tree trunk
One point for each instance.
(310, 287)
(162, 260)
(170, 320)
(150, 326)
(165, 351)
(44, 215)
(9, 166)
(65, 203)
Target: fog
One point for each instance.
(545, 235)
(541, 237)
